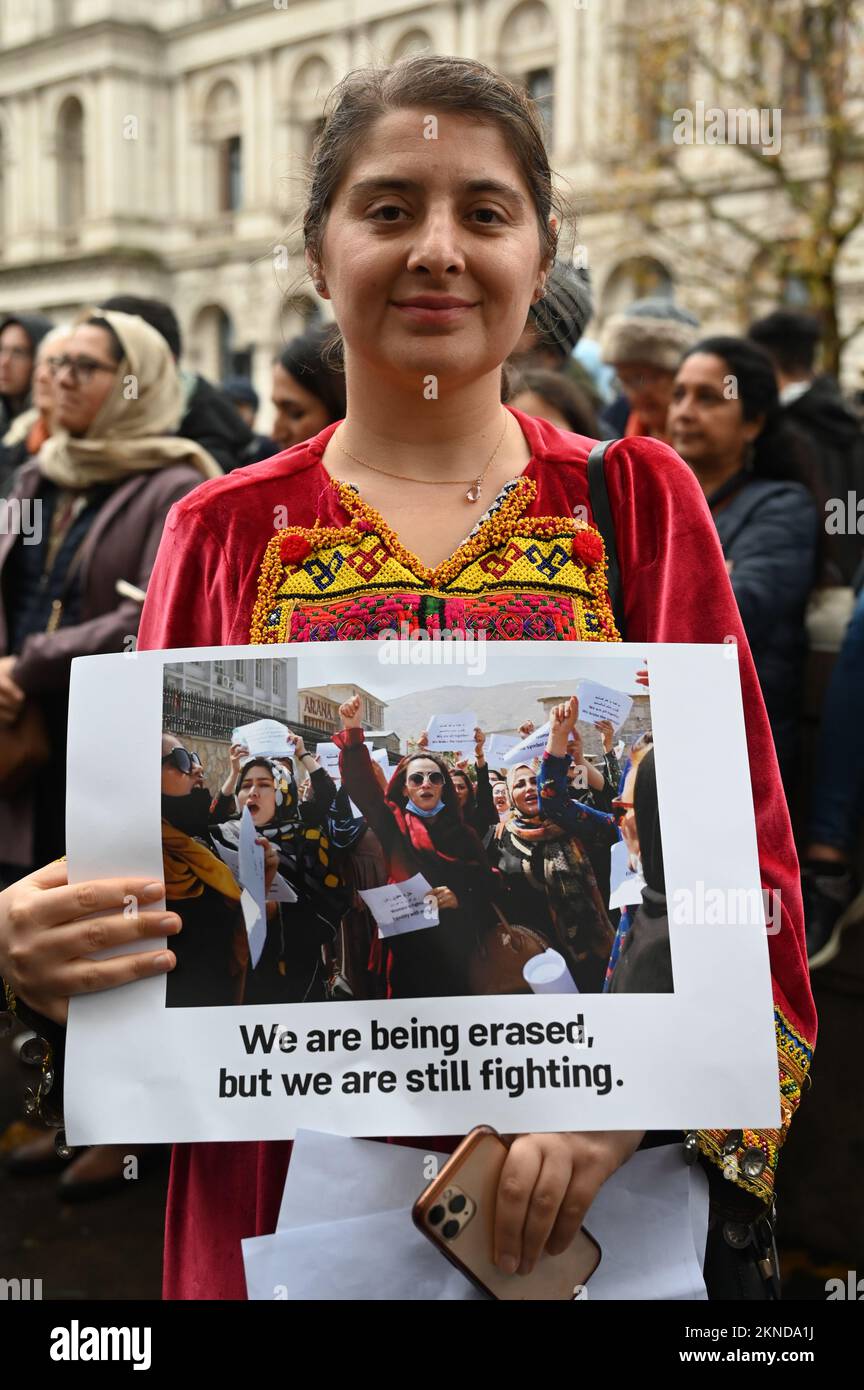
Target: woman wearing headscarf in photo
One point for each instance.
(101, 486)
(307, 896)
(644, 958)
(212, 948)
(549, 882)
(421, 830)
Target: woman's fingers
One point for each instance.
(515, 1187)
(571, 1214)
(56, 906)
(90, 976)
(550, 1190)
(101, 933)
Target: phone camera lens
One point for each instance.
(436, 1216)
(450, 1229)
(458, 1203)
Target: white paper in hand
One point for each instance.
(602, 702)
(528, 748)
(451, 733)
(265, 738)
(251, 876)
(625, 884)
(402, 907)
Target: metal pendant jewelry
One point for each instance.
(473, 493)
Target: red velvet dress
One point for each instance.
(336, 571)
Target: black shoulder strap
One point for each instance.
(605, 525)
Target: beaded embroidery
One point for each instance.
(514, 578)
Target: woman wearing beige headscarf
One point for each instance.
(88, 514)
(90, 509)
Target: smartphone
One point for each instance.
(457, 1213)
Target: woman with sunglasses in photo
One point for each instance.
(419, 824)
(436, 505)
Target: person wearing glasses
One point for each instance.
(419, 824)
(100, 489)
(20, 336)
(29, 430)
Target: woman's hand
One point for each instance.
(445, 897)
(11, 694)
(479, 755)
(607, 733)
(299, 746)
(48, 933)
(271, 861)
(422, 740)
(526, 728)
(547, 1184)
(349, 713)
(238, 753)
(561, 721)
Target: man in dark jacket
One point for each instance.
(20, 336)
(210, 418)
(815, 405)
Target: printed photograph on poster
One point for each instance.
(347, 855)
(501, 923)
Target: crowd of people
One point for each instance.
(536, 856)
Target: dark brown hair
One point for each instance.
(397, 792)
(433, 83)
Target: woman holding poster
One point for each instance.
(435, 506)
(418, 821)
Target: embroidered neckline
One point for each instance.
(506, 510)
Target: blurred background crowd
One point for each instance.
(749, 367)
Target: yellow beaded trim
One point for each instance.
(500, 528)
(794, 1056)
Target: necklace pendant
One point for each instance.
(473, 493)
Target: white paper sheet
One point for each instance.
(265, 738)
(451, 733)
(533, 746)
(402, 907)
(345, 1228)
(250, 870)
(625, 884)
(598, 701)
(497, 747)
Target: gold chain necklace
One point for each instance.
(476, 484)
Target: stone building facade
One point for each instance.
(157, 147)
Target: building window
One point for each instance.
(540, 86)
(259, 675)
(277, 682)
(70, 168)
(231, 180)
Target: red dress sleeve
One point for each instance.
(676, 589)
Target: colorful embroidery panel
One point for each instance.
(515, 578)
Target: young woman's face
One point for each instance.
(461, 785)
(299, 413)
(420, 788)
(415, 215)
(500, 799)
(175, 782)
(258, 792)
(706, 425)
(524, 791)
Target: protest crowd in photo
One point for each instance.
(166, 485)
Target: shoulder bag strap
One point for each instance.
(603, 521)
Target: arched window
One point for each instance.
(414, 42)
(636, 278)
(528, 52)
(223, 120)
(71, 198)
(212, 343)
(309, 89)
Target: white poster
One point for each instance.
(448, 733)
(437, 1029)
(598, 702)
